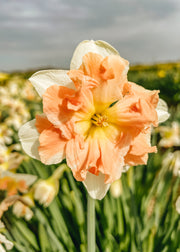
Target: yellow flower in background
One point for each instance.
(93, 116)
(4, 76)
(170, 135)
(161, 74)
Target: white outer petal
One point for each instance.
(99, 46)
(162, 111)
(29, 137)
(95, 185)
(41, 80)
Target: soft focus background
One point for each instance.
(141, 211)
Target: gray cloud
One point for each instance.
(40, 33)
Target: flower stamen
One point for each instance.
(100, 120)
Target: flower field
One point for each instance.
(141, 211)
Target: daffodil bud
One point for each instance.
(116, 188)
(21, 208)
(46, 190)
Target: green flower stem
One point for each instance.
(59, 171)
(91, 237)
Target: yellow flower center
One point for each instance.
(100, 120)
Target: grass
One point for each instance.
(142, 218)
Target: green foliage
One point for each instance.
(142, 219)
(163, 77)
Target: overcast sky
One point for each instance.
(42, 33)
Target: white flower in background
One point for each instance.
(21, 208)
(5, 97)
(14, 121)
(3, 240)
(173, 161)
(8, 244)
(46, 190)
(116, 188)
(9, 160)
(17, 111)
(5, 134)
(176, 163)
(170, 135)
(178, 205)
(13, 88)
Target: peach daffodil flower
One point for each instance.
(93, 117)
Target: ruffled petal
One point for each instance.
(139, 149)
(52, 146)
(95, 185)
(81, 80)
(151, 96)
(61, 103)
(55, 104)
(76, 155)
(42, 123)
(91, 65)
(113, 73)
(41, 80)
(86, 46)
(132, 111)
(82, 156)
(29, 137)
(113, 151)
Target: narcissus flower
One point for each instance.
(93, 117)
(22, 207)
(46, 190)
(14, 182)
(170, 135)
(173, 161)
